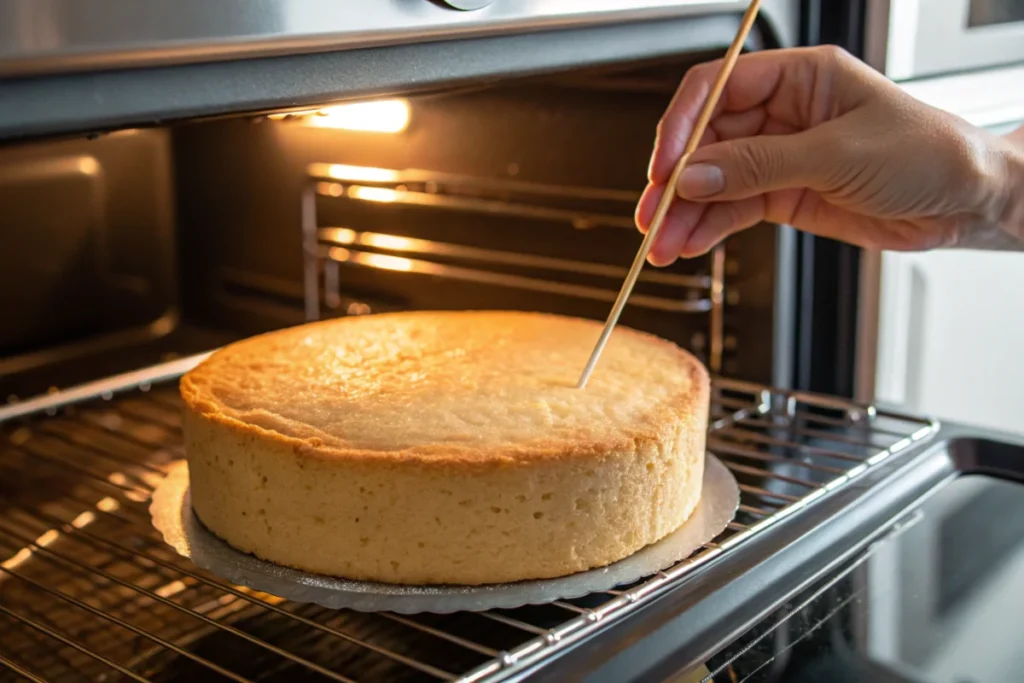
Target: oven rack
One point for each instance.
(89, 590)
(327, 249)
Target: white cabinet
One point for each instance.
(951, 336)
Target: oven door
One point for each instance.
(930, 37)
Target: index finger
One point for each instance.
(754, 81)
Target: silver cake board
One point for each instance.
(172, 514)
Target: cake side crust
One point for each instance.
(546, 501)
(439, 522)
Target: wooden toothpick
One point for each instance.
(696, 135)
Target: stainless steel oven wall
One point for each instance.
(86, 249)
(240, 185)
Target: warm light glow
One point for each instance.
(88, 166)
(339, 235)
(374, 194)
(339, 254)
(172, 588)
(366, 174)
(25, 554)
(381, 116)
(84, 519)
(386, 262)
(393, 242)
(19, 558)
(284, 115)
(47, 538)
(382, 261)
(331, 189)
(152, 479)
(50, 536)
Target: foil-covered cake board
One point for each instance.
(171, 509)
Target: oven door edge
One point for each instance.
(684, 628)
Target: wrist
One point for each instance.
(1011, 218)
(997, 223)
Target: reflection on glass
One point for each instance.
(945, 598)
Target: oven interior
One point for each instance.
(143, 246)
(519, 194)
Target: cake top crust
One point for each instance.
(468, 386)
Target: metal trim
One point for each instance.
(61, 36)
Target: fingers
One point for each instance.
(798, 87)
(747, 167)
(679, 222)
(730, 126)
(753, 82)
(721, 220)
(692, 228)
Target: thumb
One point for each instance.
(747, 167)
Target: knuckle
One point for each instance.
(833, 55)
(756, 165)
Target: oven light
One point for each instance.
(374, 194)
(366, 174)
(380, 116)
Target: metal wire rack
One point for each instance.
(328, 249)
(89, 591)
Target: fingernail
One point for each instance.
(700, 181)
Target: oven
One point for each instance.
(915, 39)
(175, 178)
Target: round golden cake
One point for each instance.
(445, 447)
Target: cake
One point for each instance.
(445, 447)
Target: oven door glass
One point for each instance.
(931, 37)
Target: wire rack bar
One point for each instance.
(119, 622)
(72, 644)
(65, 559)
(75, 529)
(133, 555)
(20, 670)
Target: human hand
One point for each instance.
(816, 139)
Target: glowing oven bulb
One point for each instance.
(379, 116)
